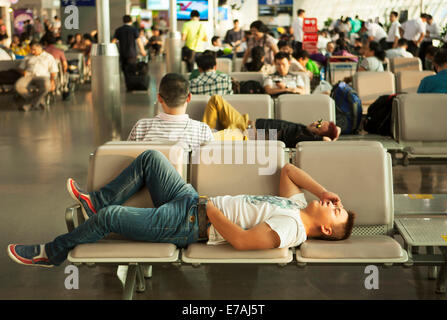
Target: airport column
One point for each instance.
(105, 80)
(173, 42)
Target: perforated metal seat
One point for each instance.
(360, 173)
(241, 167)
(419, 124)
(305, 108)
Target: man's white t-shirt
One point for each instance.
(40, 66)
(297, 26)
(398, 53)
(247, 211)
(371, 64)
(393, 33)
(413, 29)
(376, 31)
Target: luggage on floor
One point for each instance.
(137, 76)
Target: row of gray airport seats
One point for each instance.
(418, 133)
(295, 108)
(255, 170)
(337, 71)
(371, 85)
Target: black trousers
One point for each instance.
(413, 48)
(423, 51)
(125, 63)
(288, 132)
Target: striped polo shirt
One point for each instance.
(167, 127)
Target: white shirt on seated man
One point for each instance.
(400, 51)
(40, 70)
(174, 123)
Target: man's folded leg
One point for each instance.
(152, 170)
(174, 222)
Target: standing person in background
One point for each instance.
(193, 34)
(260, 37)
(297, 29)
(375, 32)
(433, 32)
(414, 32)
(393, 32)
(57, 25)
(234, 36)
(127, 38)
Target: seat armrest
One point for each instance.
(70, 216)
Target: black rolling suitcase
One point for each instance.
(137, 76)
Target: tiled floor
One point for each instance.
(40, 149)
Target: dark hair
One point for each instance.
(127, 18)
(87, 36)
(259, 25)
(431, 50)
(282, 55)
(346, 231)
(206, 62)
(332, 131)
(300, 11)
(35, 43)
(301, 54)
(210, 53)
(195, 14)
(215, 38)
(257, 53)
(284, 43)
(378, 51)
(174, 89)
(235, 20)
(440, 57)
(341, 44)
(48, 38)
(402, 42)
(394, 13)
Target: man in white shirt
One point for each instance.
(282, 81)
(393, 32)
(414, 32)
(181, 217)
(432, 32)
(375, 32)
(173, 124)
(39, 70)
(297, 27)
(400, 51)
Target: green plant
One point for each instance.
(328, 22)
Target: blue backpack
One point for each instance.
(348, 108)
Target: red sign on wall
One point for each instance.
(310, 37)
(310, 25)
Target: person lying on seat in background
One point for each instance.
(181, 217)
(282, 81)
(219, 113)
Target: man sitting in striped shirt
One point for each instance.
(173, 124)
(209, 81)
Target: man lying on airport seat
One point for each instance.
(181, 217)
(219, 111)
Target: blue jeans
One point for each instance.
(173, 220)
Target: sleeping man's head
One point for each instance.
(326, 221)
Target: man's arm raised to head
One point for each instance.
(291, 174)
(259, 237)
